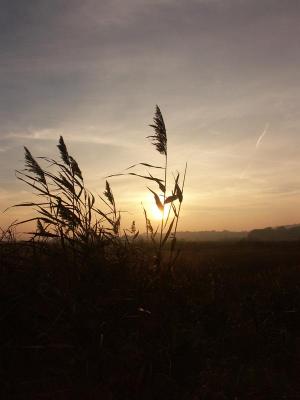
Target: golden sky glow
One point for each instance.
(225, 74)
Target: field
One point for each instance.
(224, 324)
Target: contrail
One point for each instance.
(259, 140)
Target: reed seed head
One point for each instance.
(63, 151)
(159, 139)
(33, 166)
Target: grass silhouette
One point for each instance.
(168, 225)
(223, 329)
(67, 211)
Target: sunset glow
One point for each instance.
(154, 211)
(225, 74)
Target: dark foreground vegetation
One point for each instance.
(223, 325)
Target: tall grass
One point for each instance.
(65, 209)
(8, 234)
(163, 196)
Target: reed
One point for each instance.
(66, 210)
(162, 196)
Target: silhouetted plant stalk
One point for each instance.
(68, 210)
(130, 235)
(8, 234)
(160, 141)
(169, 224)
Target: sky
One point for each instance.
(225, 74)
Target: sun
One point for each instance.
(152, 209)
(155, 212)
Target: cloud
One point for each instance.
(53, 135)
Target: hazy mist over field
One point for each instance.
(225, 74)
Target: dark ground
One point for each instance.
(225, 326)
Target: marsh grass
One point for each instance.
(227, 326)
(163, 196)
(8, 234)
(66, 211)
